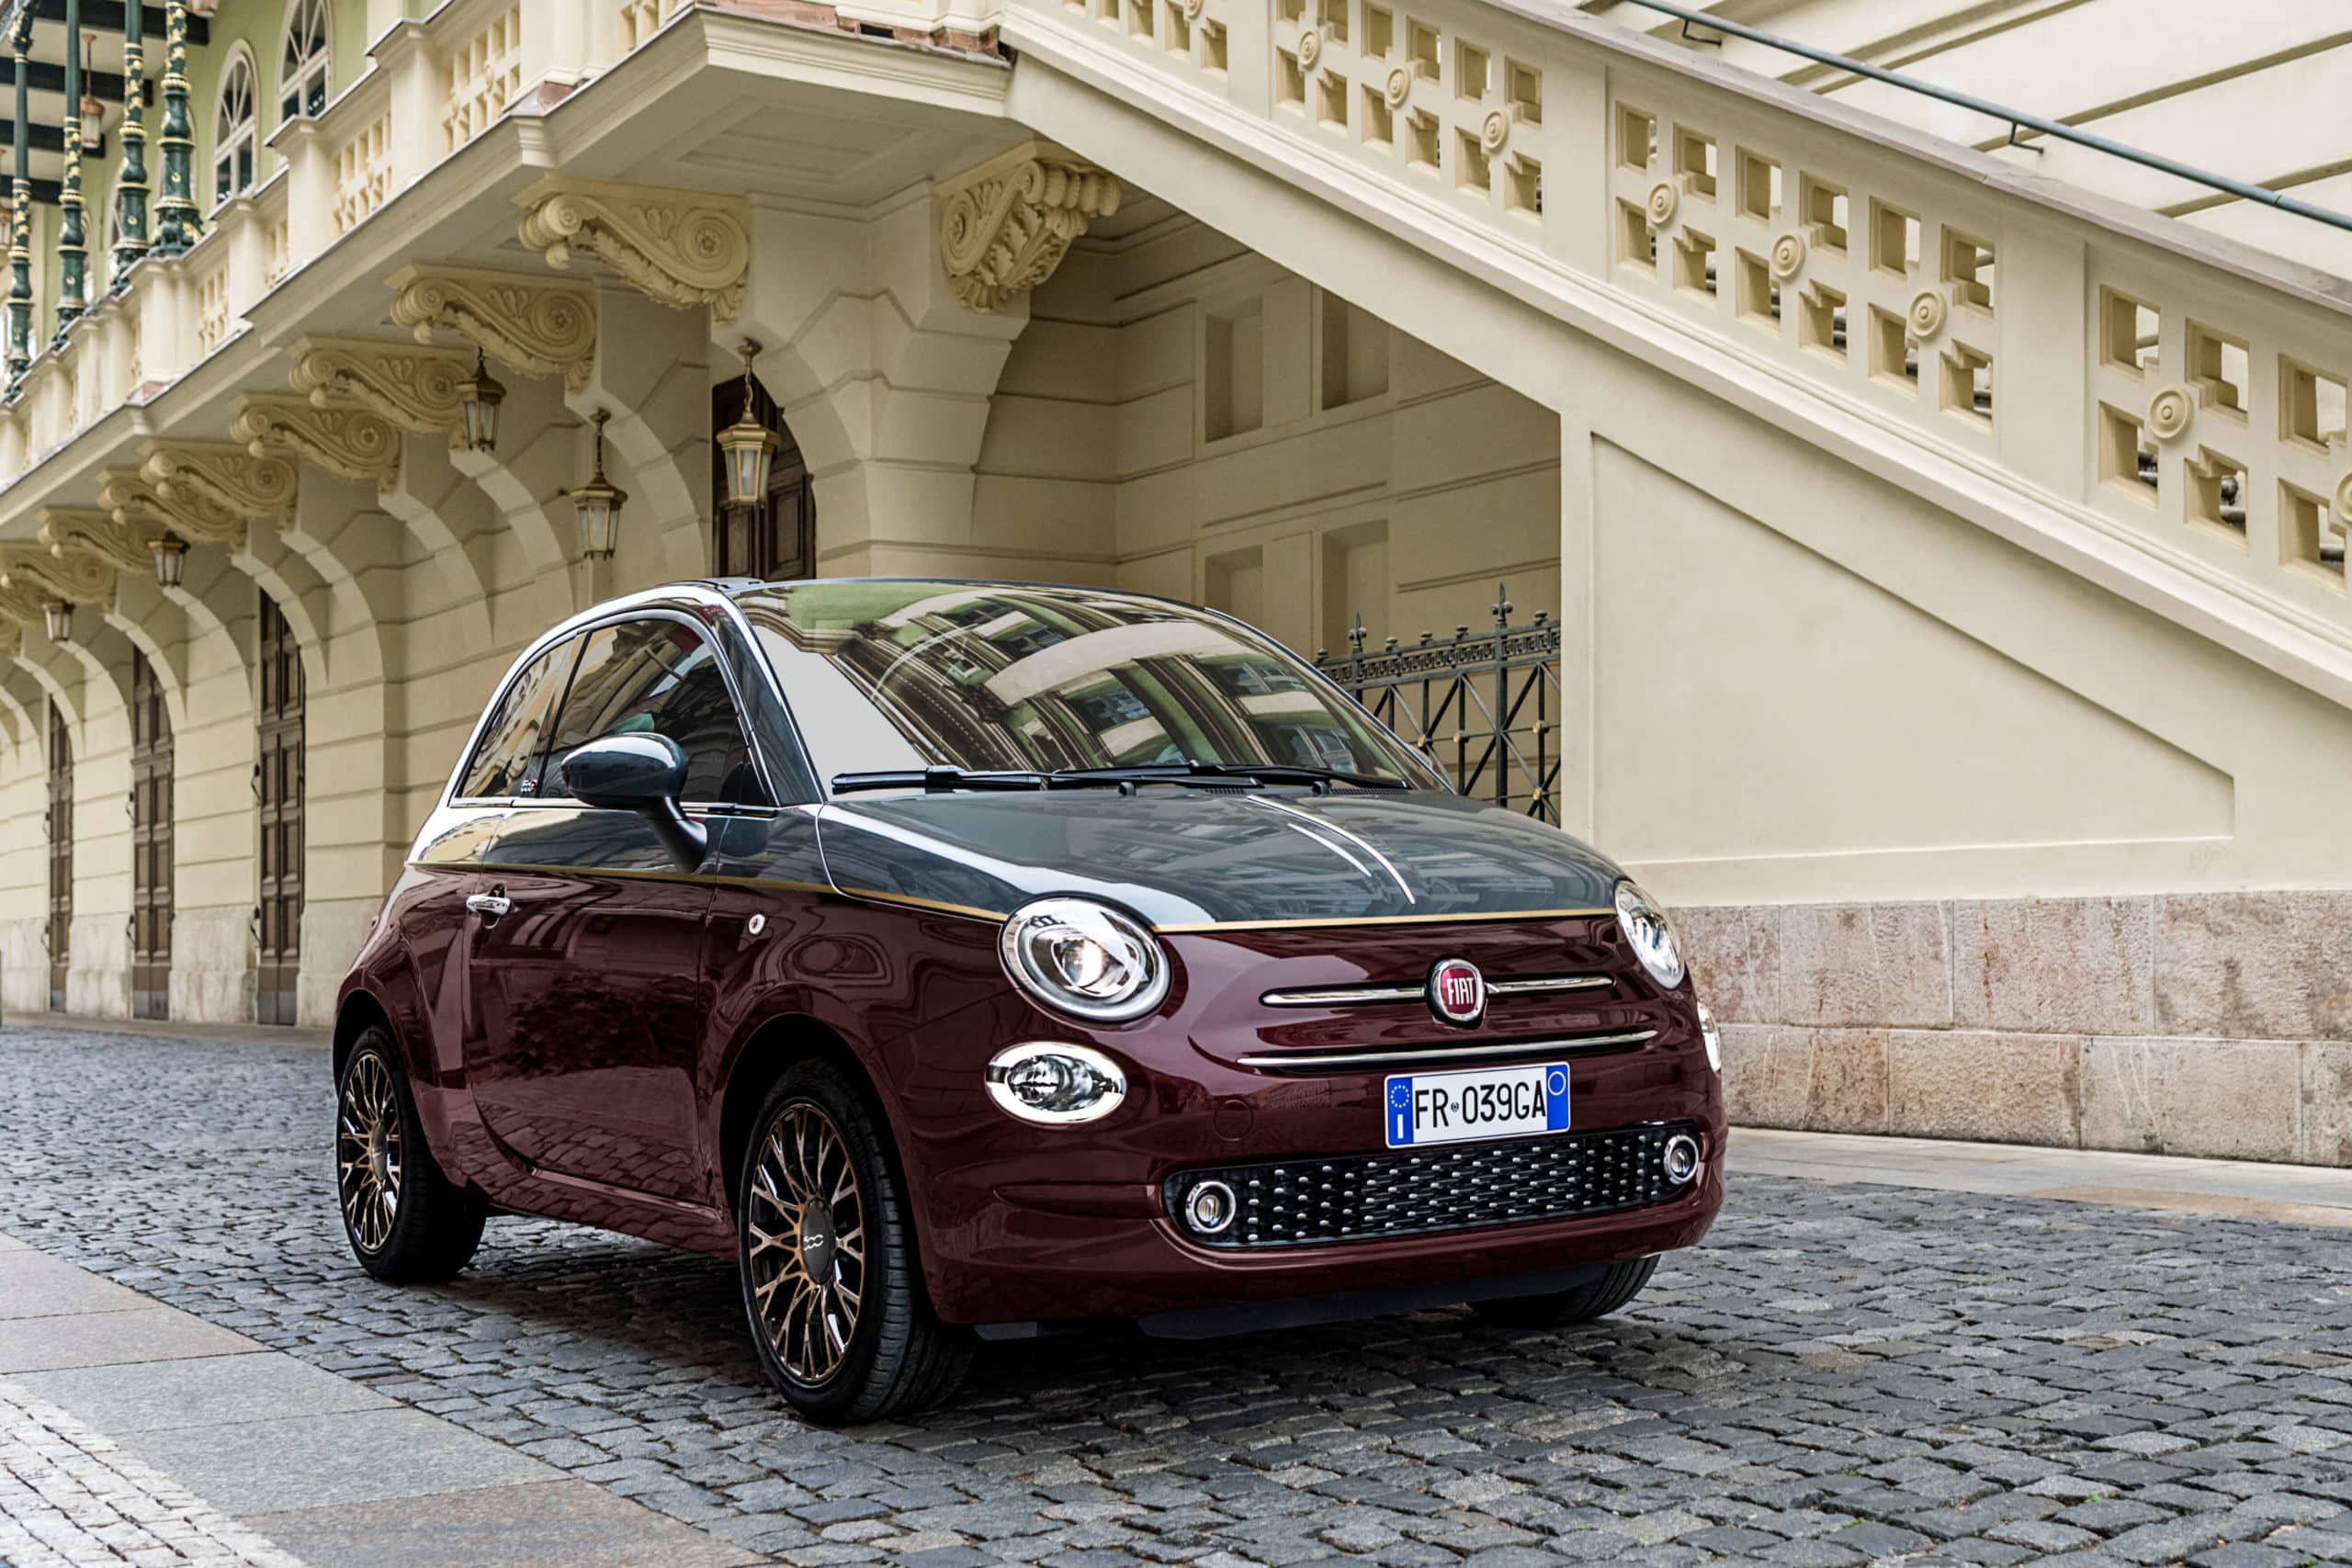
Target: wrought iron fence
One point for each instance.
(1483, 709)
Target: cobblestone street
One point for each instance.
(1843, 1372)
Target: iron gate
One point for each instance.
(1483, 710)
(151, 843)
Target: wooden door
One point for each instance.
(151, 844)
(278, 795)
(61, 856)
(775, 539)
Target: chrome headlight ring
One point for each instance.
(1651, 936)
(1055, 1083)
(1085, 960)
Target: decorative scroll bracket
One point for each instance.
(414, 388)
(352, 442)
(77, 576)
(89, 532)
(680, 248)
(536, 327)
(1005, 227)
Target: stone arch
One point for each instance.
(651, 376)
(157, 627)
(430, 492)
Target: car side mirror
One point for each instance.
(643, 774)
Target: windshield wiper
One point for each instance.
(1237, 772)
(937, 781)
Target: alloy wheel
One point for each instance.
(808, 1233)
(368, 1151)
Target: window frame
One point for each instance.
(318, 63)
(228, 136)
(482, 731)
(609, 616)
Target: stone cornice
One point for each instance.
(1005, 227)
(414, 388)
(680, 248)
(537, 327)
(355, 442)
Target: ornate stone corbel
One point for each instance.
(228, 478)
(12, 637)
(1007, 225)
(77, 576)
(355, 442)
(680, 248)
(22, 604)
(97, 533)
(539, 328)
(134, 498)
(414, 388)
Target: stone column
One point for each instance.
(176, 224)
(130, 185)
(73, 239)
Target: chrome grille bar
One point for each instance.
(1359, 996)
(1436, 1056)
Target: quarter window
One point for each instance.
(660, 677)
(506, 762)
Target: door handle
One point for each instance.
(490, 905)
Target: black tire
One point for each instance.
(434, 1226)
(1618, 1284)
(897, 1357)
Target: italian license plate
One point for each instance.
(1477, 1102)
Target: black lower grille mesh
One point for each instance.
(1457, 1187)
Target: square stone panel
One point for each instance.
(1847, 1092)
(1882, 965)
(2221, 1098)
(2014, 1088)
(1735, 959)
(2255, 965)
(2055, 965)
(1768, 1074)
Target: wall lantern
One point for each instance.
(478, 396)
(59, 616)
(599, 505)
(94, 113)
(749, 445)
(171, 559)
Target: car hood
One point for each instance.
(1194, 856)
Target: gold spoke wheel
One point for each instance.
(368, 1151)
(807, 1246)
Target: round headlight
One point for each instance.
(1652, 938)
(1052, 1082)
(1085, 959)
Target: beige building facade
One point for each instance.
(1946, 557)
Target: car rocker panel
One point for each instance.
(1202, 1004)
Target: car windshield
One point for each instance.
(897, 675)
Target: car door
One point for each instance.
(585, 998)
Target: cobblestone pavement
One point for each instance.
(1841, 1373)
(68, 1499)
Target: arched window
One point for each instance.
(232, 129)
(302, 62)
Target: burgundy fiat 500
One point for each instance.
(972, 960)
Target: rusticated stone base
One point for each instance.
(2215, 1024)
(332, 932)
(212, 964)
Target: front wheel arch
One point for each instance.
(767, 1055)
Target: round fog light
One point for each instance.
(1209, 1207)
(1681, 1158)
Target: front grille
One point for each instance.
(1302, 1202)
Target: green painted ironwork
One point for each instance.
(176, 224)
(20, 213)
(130, 182)
(72, 236)
(1483, 710)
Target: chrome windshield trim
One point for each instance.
(1359, 996)
(1437, 1055)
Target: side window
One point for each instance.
(505, 764)
(660, 678)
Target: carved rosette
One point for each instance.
(1006, 229)
(538, 328)
(1927, 314)
(2169, 412)
(678, 248)
(134, 498)
(414, 388)
(70, 529)
(1788, 256)
(77, 576)
(355, 442)
(1664, 202)
(226, 478)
